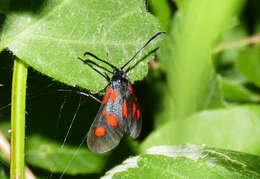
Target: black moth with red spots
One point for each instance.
(116, 116)
(119, 112)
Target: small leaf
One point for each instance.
(188, 162)
(43, 153)
(249, 64)
(237, 92)
(50, 36)
(234, 128)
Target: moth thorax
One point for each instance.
(120, 76)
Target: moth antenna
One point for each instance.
(91, 66)
(92, 55)
(153, 37)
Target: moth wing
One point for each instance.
(134, 119)
(102, 137)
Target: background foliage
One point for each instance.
(200, 99)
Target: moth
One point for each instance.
(119, 113)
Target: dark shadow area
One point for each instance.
(2, 19)
(26, 5)
(4, 169)
(6, 65)
(55, 110)
(251, 15)
(149, 94)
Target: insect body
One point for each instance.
(119, 112)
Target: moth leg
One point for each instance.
(86, 93)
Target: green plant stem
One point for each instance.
(18, 119)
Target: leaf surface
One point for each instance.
(43, 153)
(233, 128)
(188, 162)
(50, 35)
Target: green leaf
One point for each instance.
(186, 55)
(249, 64)
(162, 10)
(51, 36)
(43, 153)
(188, 162)
(234, 128)
(237, 92)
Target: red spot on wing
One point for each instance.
(136, 99)
(131, 89)
(138, 114)
(107, 94)
(125, 109)
(100, 131)
(104, 112)
(134, 110)
(114, 95)
(111, 120)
